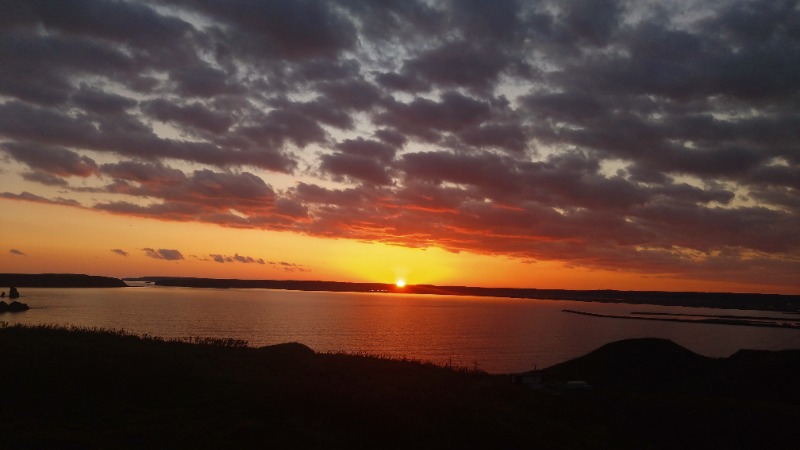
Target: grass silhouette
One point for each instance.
(95, 388)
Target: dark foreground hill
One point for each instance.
(664, 393)
(82, 389)
(96, 389)
(661, 366)
(635, 365)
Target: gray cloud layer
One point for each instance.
(163, 253)
(607, 134)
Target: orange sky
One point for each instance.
(63, 239)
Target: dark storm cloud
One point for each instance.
(478, 20)
(202, 195)
(55, 160)
(144, 172)
(200, 80)
(112, 20)
(287, 125)
(38, 68)
(353, 94)
(592, 21)
(395, 20)
(360, 160)
(193, 115)
(355, 167)
(128, 136)
(505, 136)
(426, 119)
(119, 252)
(294, 30)
(100, 102)
(456, 64)
(45, 178)
(607, 134)
(163, 253)
(29, 197)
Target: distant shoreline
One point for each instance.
(58, 280)
(746, 321)
(758, 302)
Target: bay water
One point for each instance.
(497, 335)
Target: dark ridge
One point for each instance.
(83, 388)
(58, 280)
(100, 389)
(670, 397)
(714, 320)
(764, 302)
(660, 365)
(289, 350)
(634, 364)
(762, 375)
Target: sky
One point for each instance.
(546, 144)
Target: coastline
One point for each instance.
(58, 280)
(721, 300)
(743, 301)
(747, 321)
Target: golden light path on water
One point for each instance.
(499, 334)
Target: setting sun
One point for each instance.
(400, 283)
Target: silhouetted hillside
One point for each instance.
(58, 280)
(99, 389)
(90, 389)
(672, 398)
(652, 364)
(635, 364)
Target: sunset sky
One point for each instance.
(579, 145)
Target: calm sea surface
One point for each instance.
(499, 334)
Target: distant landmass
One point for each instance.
(58, 280)
(764, 302)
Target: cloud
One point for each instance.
(288, 267)
(194, 115)
(427, 119)
(120, 252)
(292, 30)
(613, 135)
(29, 197)
(203, 195)
(457, 65)
(14, 251)
(45, 178)
(163, 253)
(236, 258)
(55, 160)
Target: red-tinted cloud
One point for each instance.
(604, 134)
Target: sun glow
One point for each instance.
(400, 283)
